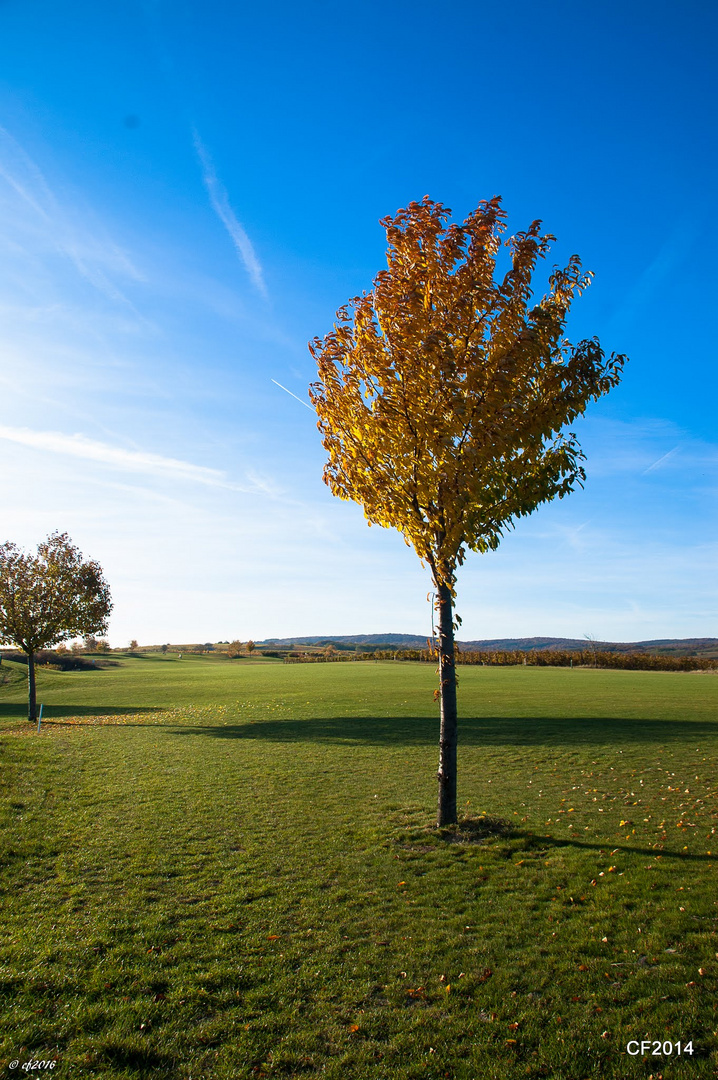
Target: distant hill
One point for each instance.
(704, 647)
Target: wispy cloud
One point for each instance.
(673, 251)
(56, 442)
(220, 204)
(95, 256)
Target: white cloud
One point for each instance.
(220, 204)
(80, 446)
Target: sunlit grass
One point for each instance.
(217, 869)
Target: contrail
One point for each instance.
(292, 395)
(661, 460)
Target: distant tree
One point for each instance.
(164, 649)
(103, 646)
(49, 598)
(442, 397)
(234, 649)
(134, 645)
(250, 647)
(90, 643)
(592, 644)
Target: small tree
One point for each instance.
(592, 644)
(134, 645)
(234, 649)
(90, 643)
(442, 396)
(103, 646)
(250, 647)
(164, 649)
(48, 598)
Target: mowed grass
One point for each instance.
(217, 869)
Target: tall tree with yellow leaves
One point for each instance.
(442, 398)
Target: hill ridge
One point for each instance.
(673, 646)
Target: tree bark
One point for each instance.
(449, 725)
(31, 693)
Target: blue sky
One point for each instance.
(189, 191)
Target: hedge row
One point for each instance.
(544, 658)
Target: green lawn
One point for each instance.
(226, 869)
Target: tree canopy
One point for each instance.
(444, 391)
(50, 597)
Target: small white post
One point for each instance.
(39, 718)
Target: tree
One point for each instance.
(164, 649)
(90, 643)
(48, 598)
(250, 647)
(442, 396)
(134, 645)
(592, 644)
(234, 649)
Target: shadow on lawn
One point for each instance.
(542, 842)
(54, 713)
(473, 731)
(480, 830)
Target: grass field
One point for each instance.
(217, 869)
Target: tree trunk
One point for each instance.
(448, 730)
(31, 693)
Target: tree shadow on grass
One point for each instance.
(55, 713)
(473, 731)
(486, 829)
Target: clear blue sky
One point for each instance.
(190, 190)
